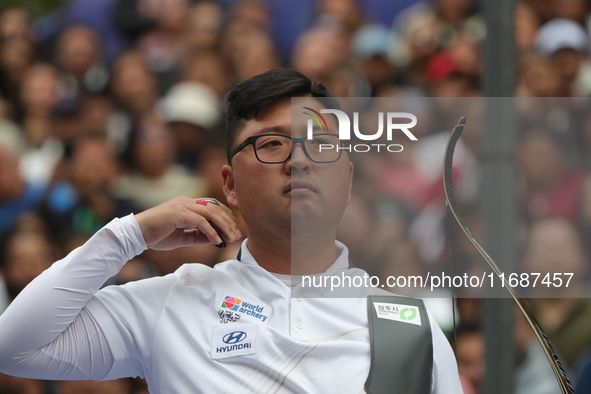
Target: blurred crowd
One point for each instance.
(109, 107)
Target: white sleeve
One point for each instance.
(446, 379)
(47, 332)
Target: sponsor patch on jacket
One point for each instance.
(402, 313)
(241, 308)
(233, 340)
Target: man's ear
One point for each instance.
(229, 187)
(351, 169)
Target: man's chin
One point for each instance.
(306, 217)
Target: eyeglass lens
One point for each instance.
(276, 148)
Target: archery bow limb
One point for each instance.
(559, 372)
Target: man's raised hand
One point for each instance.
(184, 221)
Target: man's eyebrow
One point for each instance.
(273, 129)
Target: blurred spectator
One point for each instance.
(98, 16)
(320, 50)
(426, 29)
(568, 45)
(544, 9)
(17, 195)
(549, 185)
(133, 84)
(211, 69)
(39, 91)
(246, 42)
(38, 97)
(192, 112)
(96, 116)
(554, 246)
(152, 176)
(410, 175)
(79, 57)
(348, 13)
(29, 223)
(371, 45)
(16, 54)
(418, 31)
(83, 202)
(469, 346)
(134, 17)
(538, 77)
(134, 93)
(347, 81)
(254, 55)
(469, 309)
(527, 23)
(17, 49)
(454, 72)
(203, 27)
(251, 15)
(533, 374)
(161, 46)
(575, 10)
(27, 253)
(14, 23)
(455, 14)
(465, 52)
(14, 385)
(119, 386)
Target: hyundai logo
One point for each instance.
(234, 337)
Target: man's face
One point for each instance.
(296, 194)
(470, 355)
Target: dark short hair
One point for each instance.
(249, 98)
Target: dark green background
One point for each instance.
(36, 8)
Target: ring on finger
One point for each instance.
(204, 201)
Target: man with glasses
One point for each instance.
(236, 327)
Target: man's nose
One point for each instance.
(299, 161)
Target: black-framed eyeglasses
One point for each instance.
(277, 148)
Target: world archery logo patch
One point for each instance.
(231, 303)
(241, 308)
